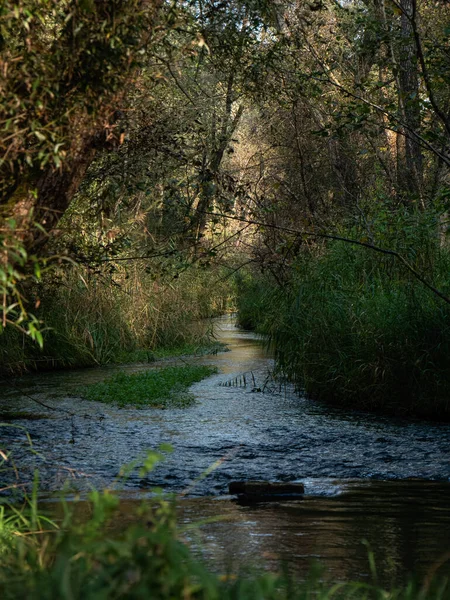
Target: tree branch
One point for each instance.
(339, 238)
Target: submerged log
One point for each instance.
(263, 491)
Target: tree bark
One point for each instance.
(411, 162)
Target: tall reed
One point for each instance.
(95, 318)
(354, 327)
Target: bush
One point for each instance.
(355, 328)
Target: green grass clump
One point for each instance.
(190, 349)
(254, 302)
(41, 559)
(160, 388)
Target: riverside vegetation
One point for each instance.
(45, 559)
(162, 388)
(355, 328)
(132, 196)
(129, 207)
(164, 161)
(97, 321)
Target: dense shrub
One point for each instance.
(354, 327)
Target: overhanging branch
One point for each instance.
(339, 238)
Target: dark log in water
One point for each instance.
(264, 491)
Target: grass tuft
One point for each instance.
(91, 319)
(159, 388)
(187, 349)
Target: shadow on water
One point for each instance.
(405, 524)
(357, 468)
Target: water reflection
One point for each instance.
(405, 524)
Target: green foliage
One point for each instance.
(62, 63)
(17, 269)
(161, 388)
(99, 558)
(98, 319)
(95, 559)
(63, 70)
(69, 88)
(253, 300)
(354, 327)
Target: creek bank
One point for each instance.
(272, 435)
(351, 334)
(365, 476)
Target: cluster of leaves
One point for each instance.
(161, 388)
(61, 65)
(14, 262)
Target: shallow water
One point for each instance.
(405, 524)
(355, 466)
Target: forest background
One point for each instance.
(161, 160)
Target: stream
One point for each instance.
(367, 477)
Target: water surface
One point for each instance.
(366, 477)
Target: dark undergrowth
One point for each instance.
(353, 327)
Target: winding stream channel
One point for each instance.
(383, 480)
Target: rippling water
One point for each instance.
(355, 466)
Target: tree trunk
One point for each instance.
(410, 159)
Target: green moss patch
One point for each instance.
(161, 388)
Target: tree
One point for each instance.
(64, 69)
